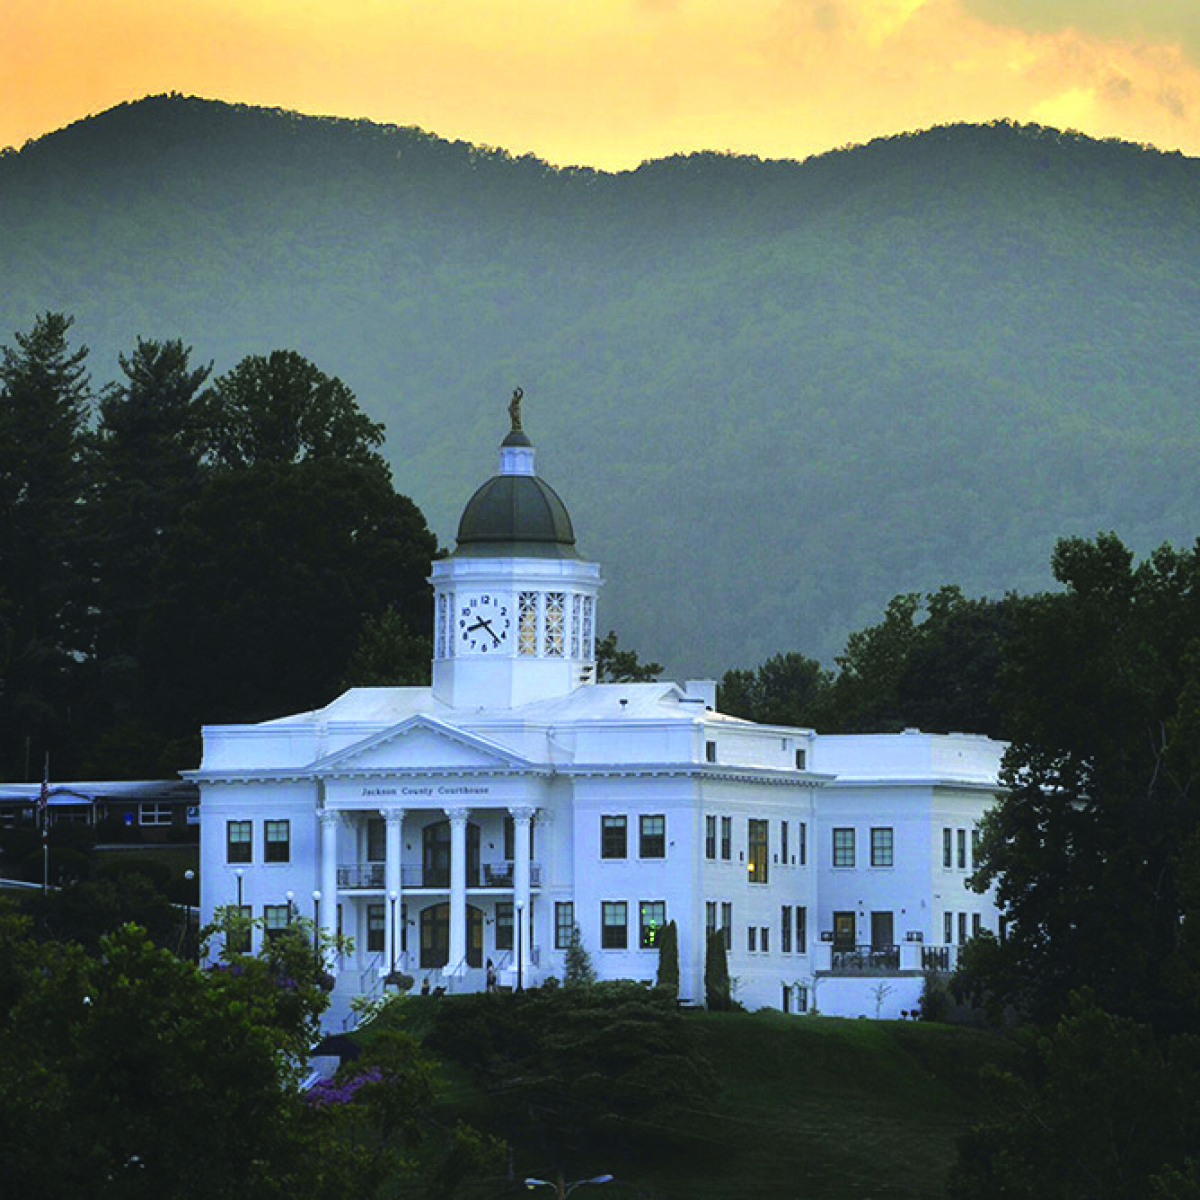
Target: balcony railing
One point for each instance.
(865, 960)
(373, 876)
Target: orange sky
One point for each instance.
(611, 82)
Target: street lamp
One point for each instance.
(564, 1189)
(239, 873)
(290, 897)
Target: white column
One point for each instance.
(327, 876)
(522, 818)
(458, 886)
(393, 880)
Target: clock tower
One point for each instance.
(514, 605)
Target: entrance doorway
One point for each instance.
(435, 936)
(843, 931)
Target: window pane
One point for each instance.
(843, 847)
(653, 837)
(757, 868)
(612, 837)
(276, 846)
(726, 837)
(613, 932)
(564, 923)
(238, 838)
(710, 837)
(881, 847)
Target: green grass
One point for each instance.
(811, 1108)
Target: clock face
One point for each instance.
(483, 623)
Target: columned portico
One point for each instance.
(458, 887)
(522, 819)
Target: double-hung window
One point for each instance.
(652, 916)
(727, 923)
(239, 845)
(504, 925)
(612, 837)
(882, 847)
(652, 836)
(758, 843)
(240, 930)
(843, 847)
(785, 929)
(276, 918)
(277, 841)
(783, 842)
(710, 918)
(947, 847)
(962, 849)
(803, 844)
(710, 837)
(614, 922)
(152, 813)
(801, 930)
(564, 924)
(726, 838)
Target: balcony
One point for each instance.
(373, 876)
(865, 960)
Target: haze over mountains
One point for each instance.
(772, 394)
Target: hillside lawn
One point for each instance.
(811, 1108)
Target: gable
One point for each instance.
(418, 744)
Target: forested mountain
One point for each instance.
(772, 394)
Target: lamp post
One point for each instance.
(317, 931)
(290, 897)
(392, 966)
(564, 1189)
(520, 947)
(239, 873)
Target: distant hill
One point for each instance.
(773, 394)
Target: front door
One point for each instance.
(843, 931)
(882, 935)
(435, 936)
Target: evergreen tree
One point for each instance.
(44, 395)
(578, 971)
(667, 976)
(717, 997)
(622, 666)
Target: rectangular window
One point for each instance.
(727, 923)
(752, 938)
(765, 939)
(843, 847)
(710, 752)
(947, 928)
(277, 841)
(564, 923)
(710, 918)
(614, 934)
(150, 813)
(947, 848)
(237, 941)
(710, 837)
(555, 605)
(589, 645)
(652, 837)
(881, 847)
(783, 842)
(801, 998)
(785, 929)
(612, 837)
(652, 917)
(376, 928)
(974, 847)
(504, 925)
(376, 840)
(275, 919)
(803, 844)
(801, 930)
(976, 924)
(527, 623)
(238, 841)
(575, 625)
(726, 838)
(962, 849)
(962, 928)
(509, 839)
(757, 867)
(801, 758)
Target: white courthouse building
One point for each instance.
(482, 818)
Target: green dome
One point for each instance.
(515, 516)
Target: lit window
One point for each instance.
(564, 923)
(555, 604)
(504, 925)
(150, 813)
(527, 623)
(614, 933)
(881, 848)
(757, 869)
(652, 837)
(843, 847)
(652, 917)
(376, 928)
(277, 841)
(238, 841)
(710, 837)
(612, 837)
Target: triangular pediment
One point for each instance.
(421, 743)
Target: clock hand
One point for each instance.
(488, 626)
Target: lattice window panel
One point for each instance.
(527, 623)
(556, 603)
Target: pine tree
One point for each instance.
(716, 973)
(579, 971)
(668, 959)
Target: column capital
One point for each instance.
(457, 814)
(393, 816)
(329, 816)
(522, 813)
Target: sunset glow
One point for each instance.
(612, 82)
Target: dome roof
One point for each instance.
(516, 516)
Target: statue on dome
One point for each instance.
(514, 410)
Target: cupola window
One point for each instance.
(555, 604)
(527, 622)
